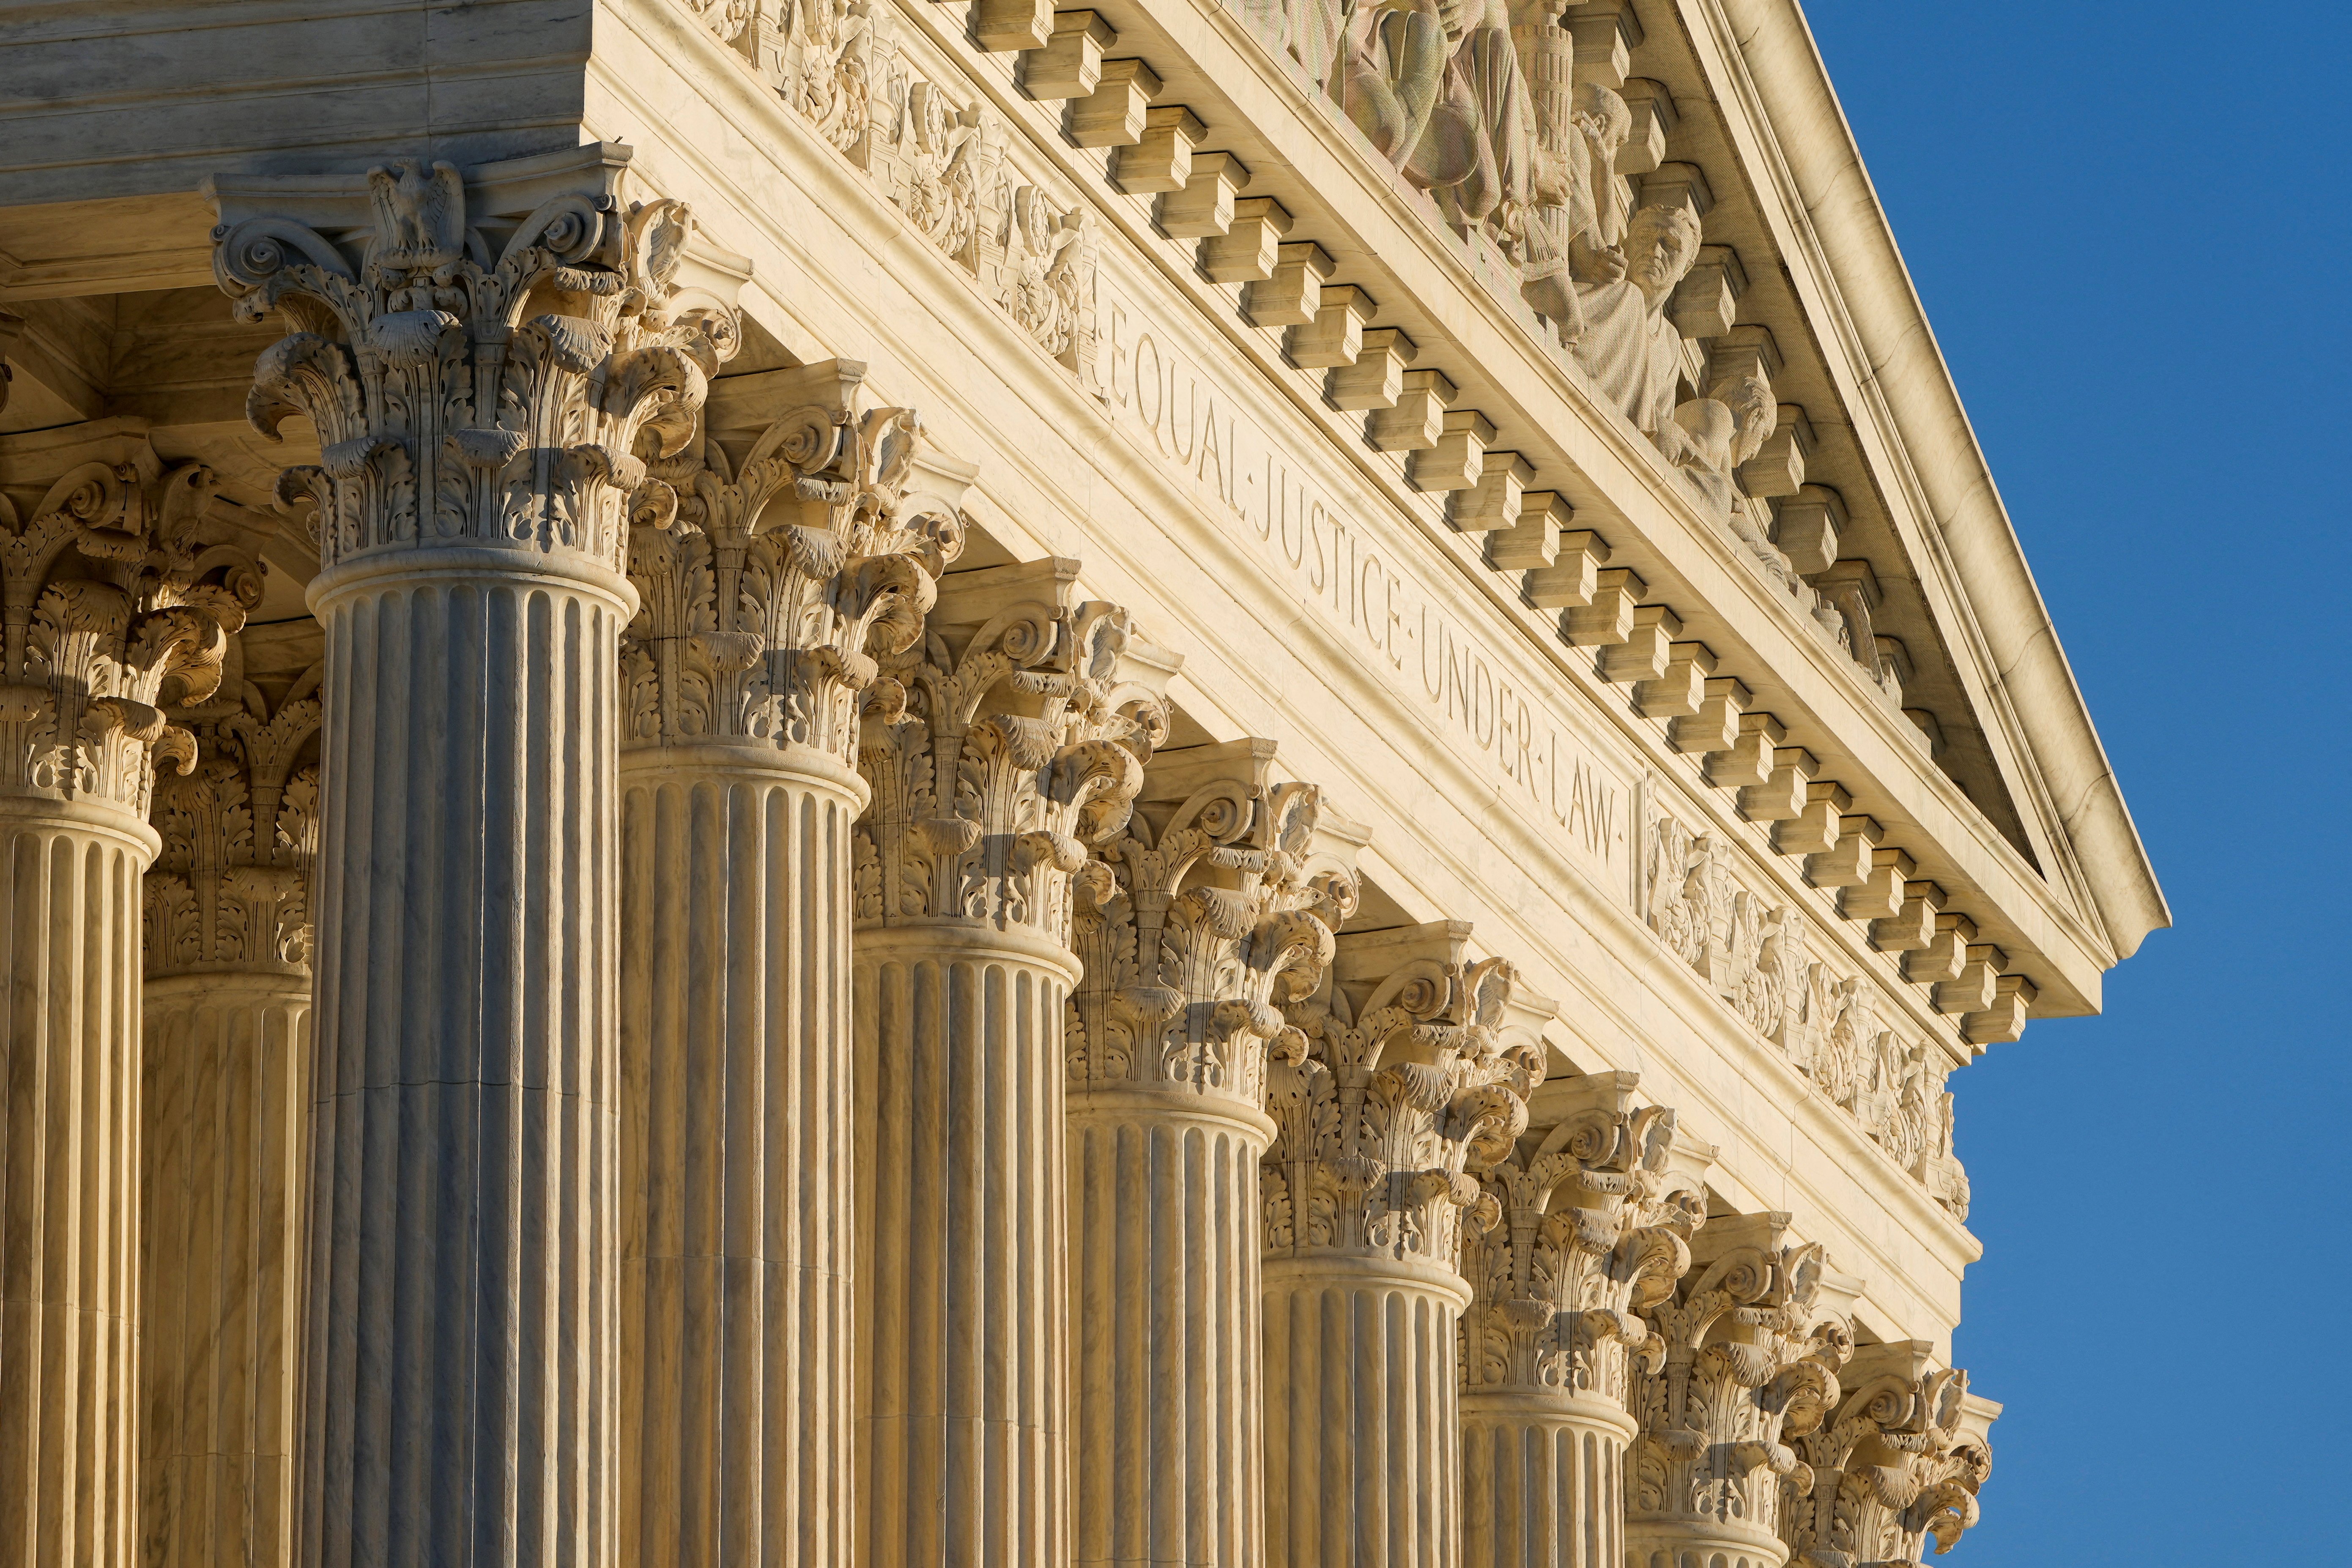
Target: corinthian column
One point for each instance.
(1394, 1086)
(116, 602)
(1900, 1461)
(1752, 1359)
(1193, 926)
(997, 751)
(481, 422)
(226, 1086)
(768, 587)
(1590, 1234)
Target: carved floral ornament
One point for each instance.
(1895, 1467)
(937, 154)
(1749, 1362)
(119, 596)
(1195, 926)
(1387, 1107)
(1833, 1026)
(1589, 1238)
(231, 889)
(461, 398)
(996, 763)
(766, 591)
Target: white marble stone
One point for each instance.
(850, 933)
(226, 1106)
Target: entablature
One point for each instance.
(1285, 321)
(1365, 296)
(1453, 347)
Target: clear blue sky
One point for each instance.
(2130, 224)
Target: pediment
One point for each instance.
(1772, 388)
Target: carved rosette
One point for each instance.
(1749, 1364)
(119, 597)
(994, 766)
(766, 591)
(1895, 1466)
(1385, 1108)
(1193, 930)
(466, 401)
(1588, 1240)
(230, 891)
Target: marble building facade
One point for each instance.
(914, 782)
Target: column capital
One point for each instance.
(1901, 1459)
(1404, 1075)
(1596, 1227)
(120, 585)
(1000, 746)
(1212, 908)
(1753, 1342)
(489, 360)
(230, 890)
(768, 587)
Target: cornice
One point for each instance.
(1870, 309)
(1579, 448)
(1057, 396)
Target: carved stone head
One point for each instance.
(1661, 244)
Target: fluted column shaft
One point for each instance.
(961, 1193)
(68, 1184)
(736, 1154)
(461, 1404)
(227, 1107)
(1543, 1480)
(1363, 1439)
(1166, 1311)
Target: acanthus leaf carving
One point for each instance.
(767, 591)
(1198, 921)
(998, 755)
(465, 399)
(119, 590)
(1898, 1463)
(1750, 1363)
(1391, 1094)
(1591, 1233)
(239, 831)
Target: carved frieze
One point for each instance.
(119, 593)
(1392, 1094)
(998, 752)
(1833, 1026)
(1196, 924)
(1589, 1238)
(935, 151)
(474, 379)
(768, 589)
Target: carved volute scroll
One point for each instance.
(1594, 1231)
(1391, 1090)
(998, 747)
(767, 588)
(119, 595)
(1751, 1360)
(230, 890)
(1900, 1462)
(1197, 922)
(478, 379)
